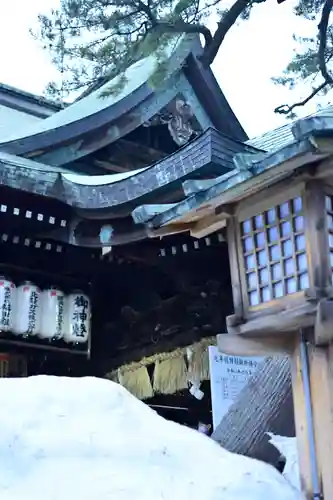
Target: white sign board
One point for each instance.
(228, 376)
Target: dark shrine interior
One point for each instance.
(132, 289)
(183, 408)
(174, 286)
(140, 148)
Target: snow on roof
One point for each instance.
(86, 438)
(136, 75)
(28, 96)
(101, 180)
(282, 136)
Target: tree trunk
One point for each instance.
(264, 405)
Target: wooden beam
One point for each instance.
(33, 154)
(112, 167)
(316, 236)
(323, 332)
(209, 224)
(321, 388)
(301, 424)
(325, 144)
(235, 345)
(234, 258)
(276, 178)
(290, 319)
(170, 229)
(140, 149)
(321, 380)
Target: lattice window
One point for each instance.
(329, 219)
(274, 252)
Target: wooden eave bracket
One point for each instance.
(213, 222)
(323, 330)
(170, 229)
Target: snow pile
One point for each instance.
(287, 446)
(89, 439)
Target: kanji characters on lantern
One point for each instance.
(53, 314)
(7, 297)
(78, 314)
(27, 313)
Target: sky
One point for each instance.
(252, 53)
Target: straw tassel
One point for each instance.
(198, 364)
(137, 382)
(170, 375)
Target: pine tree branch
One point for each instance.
(322, 28)
(148, 11)
(226, 23)
(286, 109)
(183, 27)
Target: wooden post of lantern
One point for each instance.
(12, 365)
(281, 258)
(4, 365)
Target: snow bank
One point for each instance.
(287, 446)
(89, 439)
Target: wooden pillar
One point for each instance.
(321, 386)
(301, 426)
(321, 379)
(4, 365)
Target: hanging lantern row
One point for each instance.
(26, 312)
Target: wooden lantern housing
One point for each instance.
(281, 259)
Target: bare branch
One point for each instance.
(286, 109)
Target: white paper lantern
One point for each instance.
(52, 314)
(27, 311)
(78, 317)
(7, 298)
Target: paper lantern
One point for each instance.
(7, 297)
(27, 311)
(78, 316)
(52, 314)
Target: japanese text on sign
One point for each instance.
(228, 376)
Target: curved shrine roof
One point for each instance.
(96, 201)
(118, 114)
(208, 155)
(310, 140)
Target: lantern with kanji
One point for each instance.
(77, 318)
(52, 314)
(7, 298)
(27, 312)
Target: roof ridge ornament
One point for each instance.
(178, 120)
